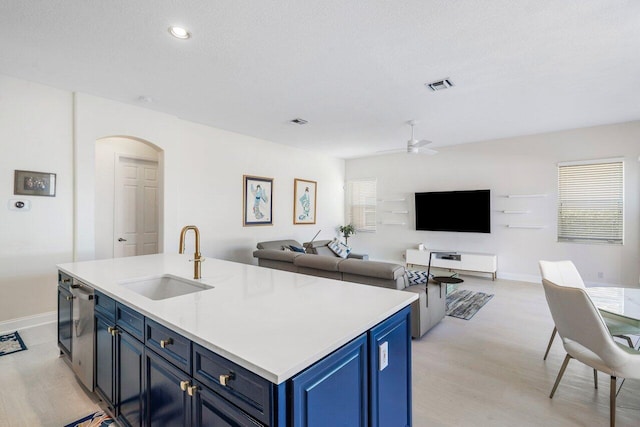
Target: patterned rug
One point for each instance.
(464, 304)
(99, 419)
(11, 343)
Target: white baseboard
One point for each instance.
(20, 323)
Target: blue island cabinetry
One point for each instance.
(149, 375)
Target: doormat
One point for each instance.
(464, 304)
(99, 419)
(11, 343)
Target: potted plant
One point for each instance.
(347, 230)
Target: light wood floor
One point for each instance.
(487, 371)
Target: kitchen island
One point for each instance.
(295, 349)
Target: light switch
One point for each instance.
(383, 355)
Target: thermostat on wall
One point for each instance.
(19, 205)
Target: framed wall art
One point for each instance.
(257, 202)
(304, 201)
(29, 183)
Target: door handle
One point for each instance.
(122, 240)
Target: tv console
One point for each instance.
(451, 260)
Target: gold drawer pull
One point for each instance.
(165, 343)
(184, 385)
(113, 331)
(191, 390)
(224, 379)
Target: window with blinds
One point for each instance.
(361, 204)
(590, 201)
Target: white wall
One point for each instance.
(211, 189)
(203, 170)
(35, 134)
(50, 130)
(524, 165)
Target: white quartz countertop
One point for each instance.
(271, 322)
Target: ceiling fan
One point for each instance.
(414, 146)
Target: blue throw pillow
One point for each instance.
(296, 249)
(339, 248)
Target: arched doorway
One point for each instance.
(128, 197)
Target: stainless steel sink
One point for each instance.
(163, 287)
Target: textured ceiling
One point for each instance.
(354, 69)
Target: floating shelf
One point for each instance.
(516, 212)
(522, 196)
(392, 223)
(526, 226)
(392, 200)
(396, 212)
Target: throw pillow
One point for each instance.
(296, 249)
(417, 277)
(339, 248)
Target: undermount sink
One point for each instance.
(163, 287)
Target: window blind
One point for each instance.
(590, 202)
(361, 204)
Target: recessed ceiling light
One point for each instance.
(179, 32)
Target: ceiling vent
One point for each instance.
(440, 85)
(299, 121)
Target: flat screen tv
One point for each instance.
(464, 211)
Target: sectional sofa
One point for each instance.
(426, 312)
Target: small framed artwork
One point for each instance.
(304, 201)
(29, 183)
(257, 202)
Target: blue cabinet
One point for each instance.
(149, 375)
(334, 391)
(105, 360)
(166, 397)
(130, 380)
(390, 371)
(119, 360)
(210, 409)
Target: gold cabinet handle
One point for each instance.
(69, 298)
(165, 343)
(110, 329)
(191, 390)
(184, 385)
(225, 378)
(67, 280)
(113, 331)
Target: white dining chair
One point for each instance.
(565, 273)
(586, 338)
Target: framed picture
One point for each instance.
(257, 203)
(304, 201)
(31, 183)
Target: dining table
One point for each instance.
(620, 304)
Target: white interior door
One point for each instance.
(135, 207)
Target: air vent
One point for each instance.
(440, 85)
(299, 121)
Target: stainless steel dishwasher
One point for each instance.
(82, 333)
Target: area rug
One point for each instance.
(99, 419)
(464, 304)
(11, 343)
